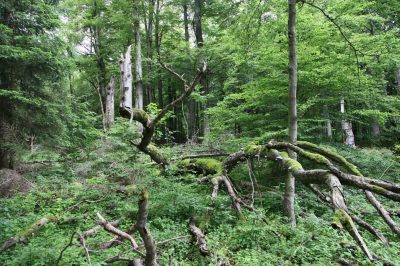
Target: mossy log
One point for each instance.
(24, 236)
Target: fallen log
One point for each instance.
(24, 236)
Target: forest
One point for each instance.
(199, 132)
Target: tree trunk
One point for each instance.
(109, 113)
(328, 123)
(376, 131)
(125, 67)
(347, 128)
(157, 43)
(149, 49)
(198, 31)
(397, 77)
(192, 121)
(288, 200)
(186, 22)
(101, 65)
(138, 68)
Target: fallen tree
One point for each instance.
(217, 171)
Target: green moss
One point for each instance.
(342, 220)
(291, 164)
(203, 165)
(210, 165)
(131, 189)
(331, 154)
(34, 227)
(144, 195)
(252, 149)
(316, 157)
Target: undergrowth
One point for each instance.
(109, 176)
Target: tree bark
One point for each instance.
(109, 113)
(192, 121)
(157, 43)
(138, 61)
(149, 48)
(347, 128)
(397, 78)
(328, 123)
(376, 131)
(288, 200)
(198, 32)
(186, 22)
(125, 67)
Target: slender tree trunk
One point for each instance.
(288, 200)
(192, 121)
(109, 113)
(198, 31)
(157, 43)
(376, 131)
(138, 64)
(328, 123)
(186, 22)
(397, 77)
(125, 67)
(7, 154)
(101, 65)
(347, 128)
(149, 48)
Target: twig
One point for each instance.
(83, 242)
(118, 257)
(65, 248)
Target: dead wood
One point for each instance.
(198, 238)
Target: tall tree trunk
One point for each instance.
(288, 200)
(101, 65)
(376, 131)
(125, 67)
(7, 154)
(149, 48)
(397, 77)
(198, 32)
(328, 123)
(138, 64)
(186, 22)
(109, 113)
(347, 128)
(192, 121)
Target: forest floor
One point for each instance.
(107, 177)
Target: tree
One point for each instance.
(31, 74)
(288, 201)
